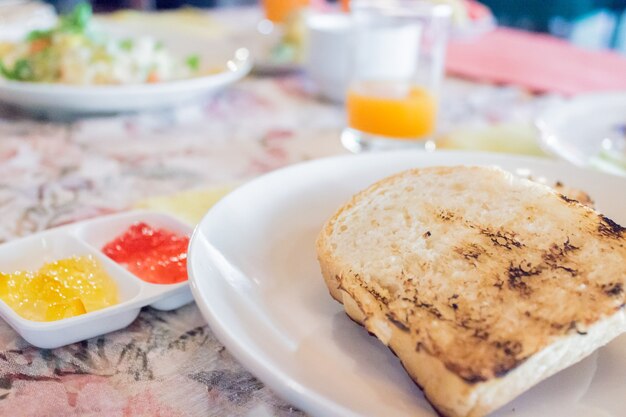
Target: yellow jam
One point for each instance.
(58, 290)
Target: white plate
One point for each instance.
(87, 238)
(254, 275)
(59, 98)
(575, 130)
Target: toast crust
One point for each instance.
(525, 295)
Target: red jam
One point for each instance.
(155, 255)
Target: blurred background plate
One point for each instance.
(223, 64)
(588, 131)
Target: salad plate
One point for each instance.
(255, 277)
(123, 98)
(142, 69)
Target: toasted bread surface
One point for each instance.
(481, 282)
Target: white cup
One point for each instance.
(331, 62)
(328, 55)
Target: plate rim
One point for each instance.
(24, 87)
(547, 132)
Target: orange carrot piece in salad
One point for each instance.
(39, 45)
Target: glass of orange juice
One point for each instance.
(279, 10)
(397, 65)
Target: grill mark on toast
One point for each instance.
(481, 334)
(613, 289)
(415, 301)
(508, 352)
(509, 347)
(568, 200)
(609, 228)
(399, 324)
(470, 252)
(446, 215)
(431, 309)
(499, 283)
(452, 302)
(557, 254)
(465, 374)
(553, 259)
(379, 297)
(573, 196)
(517, 277)
(502, 238)
(475, 327)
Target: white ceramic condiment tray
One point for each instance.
(87, 238)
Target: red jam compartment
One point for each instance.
(154, 254)
(151, 246)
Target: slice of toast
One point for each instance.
(483, 284)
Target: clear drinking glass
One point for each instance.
(397, 65)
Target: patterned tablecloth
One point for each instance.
(168, 364)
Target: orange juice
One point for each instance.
(279, 10)
(397, 111)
